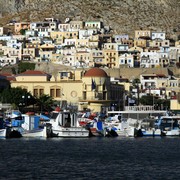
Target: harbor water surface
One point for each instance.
(90, 158)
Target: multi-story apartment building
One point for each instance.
(5, 60)
(126, 60)
(64, 27)
(46, 51)
(97, 57)
(48, 25)
(83, 59)
(76, 25)
(93, 24)
(82, 43)
(21, 25)
(110, 51)
(119, 38)
(57, 36)
(158, 35)
(149, 59)
(142, 33)
(87, 33)
(29, 53)
(12, 52)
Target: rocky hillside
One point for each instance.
(124, 16)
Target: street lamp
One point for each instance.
(25, 100)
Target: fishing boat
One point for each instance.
(24, 125)
(10, 117)
(65, 124)
(96, 128)
(123, 127)
(31, 126)
(130, 121)
(151, 132)
(169, 125)
(2, 128)
(3, 133)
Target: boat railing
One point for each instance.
(139, 108)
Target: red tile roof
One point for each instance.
(33, 72)
(95, 72)
(8, 76)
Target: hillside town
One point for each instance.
(101, 70)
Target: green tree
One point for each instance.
(45, 102)
(14, 96)
(155, 101)
(23, 66)
(23, 31)
(146, 100)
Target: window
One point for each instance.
(35, 92)
(52, 93)
(41, 92)
(58, 93)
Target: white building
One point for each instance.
(13, 43)
(158, 35)
(86, 33)
(126, 59)
(93, 24)
(149, 59)
(64, 27)
(5, 60)
(48, 26)
(69, 42)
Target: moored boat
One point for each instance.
(169, 125)
(3, 133)
(65, 124)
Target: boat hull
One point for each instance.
(75, 132)
(173, 132)
(126, 132)
(2, 133)
(156, 132)
(37, 133)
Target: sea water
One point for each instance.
(90, 158)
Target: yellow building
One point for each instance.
(46, 52)
(110, 55)
(142, 33)
(90, 89)
(57, 36)
(140, 43)
(175, 103)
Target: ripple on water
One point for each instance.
(91, 158)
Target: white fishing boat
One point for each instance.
(65, 124)
(151, 132)
(37, 133)
(169, 125)
(3, 133)
(134, 116)
(123, 127)
(30, 127)
(26, 125)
